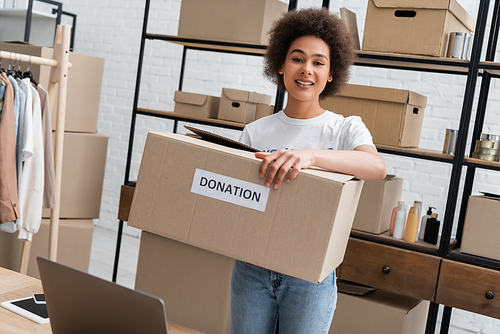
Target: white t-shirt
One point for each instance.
(327, 131)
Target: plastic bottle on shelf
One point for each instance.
(418, 204)
(393, 220)
(399, 223)
(411, 229)
(423, 222)
(432, 229)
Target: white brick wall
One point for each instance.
(111, 29)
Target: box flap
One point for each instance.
(383, 94)
(462, 15)
(430, 4)
(236, 94)
(218, 139)
(489, 195)
(416, 99)
(353, 288)
(341, 178)
(190, 98)
(259, 98)
(452, 5)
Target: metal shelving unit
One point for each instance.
(472, 69)
(58, 11)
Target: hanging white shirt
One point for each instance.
(31, 191)
(25, 137)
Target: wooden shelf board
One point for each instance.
(190, 118)
(386, 238)
(417, 151)
(213, 45)
(492, 67)
(494, 72)
(477, 260)
(416, 62)
(389, 60)
(483, 162)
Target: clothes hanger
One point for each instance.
(10, 71)
(18, 74)
(29, 75)
(1, 68)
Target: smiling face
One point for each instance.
(306, 70)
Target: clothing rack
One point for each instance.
(58, 83)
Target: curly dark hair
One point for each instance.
(310, 22)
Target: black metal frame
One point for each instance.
(58, 11)
(472, 69)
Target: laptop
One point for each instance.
(81, 303)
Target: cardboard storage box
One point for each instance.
(211, 196)
(84, 85)
(196, 104)
(229, 20)
(263, 110)
(481, 228)
(413, 27)
(195, 284)
(74, 245)
(393, 116)
(376, 202)
(83, 166)
(240, 105)
(379, 312)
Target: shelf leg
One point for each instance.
(117, 252)
(431, 318)
(445, 323)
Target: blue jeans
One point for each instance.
(260, 296)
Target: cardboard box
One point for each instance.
(126, 195)
(84, 85)
(379, 312)
(376, 202)
(74, 246)
(84, 161)
(229, 20)
(240, 105)
(195, 284)
(393, 116)
(263, 110)
(481, 228)
(196, 104)
(413, 27)
(211, 196)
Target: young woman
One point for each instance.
(309, 56)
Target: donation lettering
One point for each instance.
(229, 189)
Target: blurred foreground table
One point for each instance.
(14, 285)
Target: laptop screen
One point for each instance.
(81, 303)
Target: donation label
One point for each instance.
(228, 189)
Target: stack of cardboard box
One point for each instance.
(84, 158)
(481, 227)
(201, 205)
(414, 27)
(366, 310)
(393, 116)
(234, 105)
(229, 20)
